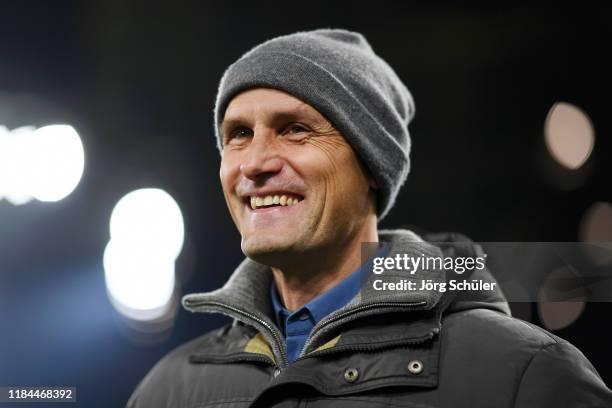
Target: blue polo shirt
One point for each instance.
(297, 326)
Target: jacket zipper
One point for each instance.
(270, 329)
(323, 323)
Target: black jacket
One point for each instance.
(405, 349)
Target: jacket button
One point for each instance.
(351, 375)
(415, 367)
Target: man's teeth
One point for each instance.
(282, 200)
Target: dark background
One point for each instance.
(138, 82)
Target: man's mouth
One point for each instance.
(273, 200)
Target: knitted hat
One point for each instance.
(337, 73)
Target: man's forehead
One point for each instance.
(263, 101)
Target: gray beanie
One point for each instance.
(337, 73)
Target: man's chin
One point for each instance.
(270, 252)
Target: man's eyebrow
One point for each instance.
(232, 123)
(283, 116)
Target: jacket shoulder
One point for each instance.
(532, 363)
(500, 328)
(560, 375)
(172, 368)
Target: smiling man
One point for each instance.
(290, 180)
(313, 133)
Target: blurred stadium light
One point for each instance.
(555, 314)
(44, 164)
(569, 135)
(147, 234)
(596, 226)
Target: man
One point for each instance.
(313, 130)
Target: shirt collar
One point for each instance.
(325, 303)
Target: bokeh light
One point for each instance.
(147, 233)
(46, 164)
(16, 169)
(596, 225)
(569, 135)
(140, 280)
(58, 161)
(558, 307)
(149, 218)
(596, 228)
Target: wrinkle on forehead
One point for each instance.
(261, 102)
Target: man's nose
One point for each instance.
(261, 158)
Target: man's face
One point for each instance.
(292, 183)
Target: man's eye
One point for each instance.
(237, 136)
(295, 129)
(241, 132)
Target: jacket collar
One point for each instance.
(245, 296)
